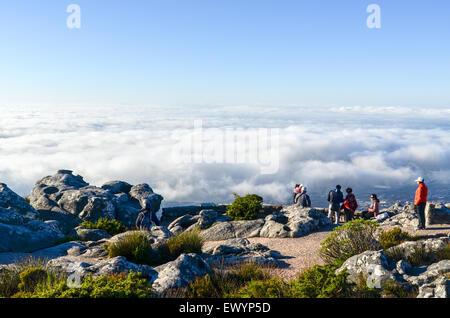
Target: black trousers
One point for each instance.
(420, 210)
(348, 215)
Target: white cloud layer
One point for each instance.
(371, 149)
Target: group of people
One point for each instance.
(348, 204)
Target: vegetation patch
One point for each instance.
(350, 239)
(395, 237)
(112, 227)
(245, 208)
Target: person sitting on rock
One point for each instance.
(297, 190)
(374, 209)
(146, 218)
(303, 199)
(349, 206)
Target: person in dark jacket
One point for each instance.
(335, 197)
(147, 218)
(303, 199)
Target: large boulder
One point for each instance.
(240, 250)
(67, 194)
(179, 273)
(432, 245)
(400, 214)
(440, 288)
(303, 221)
(233, 229)
(19, 232)
(372, 265)
(429, 274)
(91, 234)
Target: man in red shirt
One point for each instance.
(420, 201)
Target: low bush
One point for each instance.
(350, 239)
(392, 289)
(272, 288)
(31, 277)
(226, 282)
(362, 291)
(135, 247)
(395, 237)
(322, 282)
(185, 243)
(245, 208)
(111, 286)
(112, 227)
(420, 256)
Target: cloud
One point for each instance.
(366, 148)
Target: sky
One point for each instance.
(225, 52)
(329, 100)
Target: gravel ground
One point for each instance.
(305, 250)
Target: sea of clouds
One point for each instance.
(372, 149)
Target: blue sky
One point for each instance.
(226, 52)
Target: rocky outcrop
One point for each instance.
(372, 265)
(19, 232)
(240, 250)
(233, 229)
(440, 288)
(73, 199)
(179, 273)
(303, 221)
(203, 220)
(400, 214)
(91, 234)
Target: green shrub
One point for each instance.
(245, 208)
(112, 227)
(112, 286)
(420, 256)
(445, 252)
(395, 237)
(185, 243)
(135, 247)
(362, 291)
(67, 238)
(226, 282)
(31, 277)
(392, 289)
(322, 282)
(272, 288)
(348, 240)
(10, 277)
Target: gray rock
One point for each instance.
(19, 233)
(10, 200)
(91, 234)
(440, 288)
(303, 221)
(434, 245)
(233, 229)
(179, 273)
(273, 229)
(371, 264)
(431, 273)
(403, 267)
(117, 187)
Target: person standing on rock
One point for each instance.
(303, 199)
(420, 201)
(349, 206)
(335, 197)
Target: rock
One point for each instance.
(19, 233)
(302, 221)
(78, 269)
(240, 250)
(117, 187)
(68, 222)
(430, 274)
(183, 222)
(401, 214)
(233, 229)
(434, 245)
(91, 234)
(10, 200)
(440, 288)
(157, 236)
(273, 229)
(66, 194)
(179, 273)
(403, 267)
(381, 217)
(447, 206)
(372, 264)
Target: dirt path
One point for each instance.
(305, 250)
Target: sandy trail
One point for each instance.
(305, 250)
